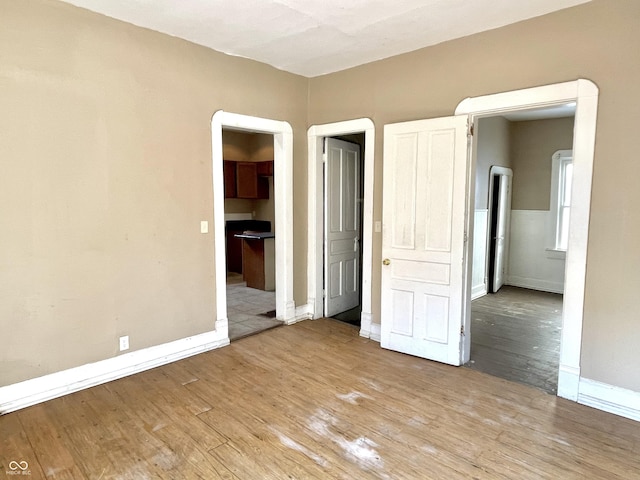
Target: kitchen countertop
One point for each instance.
(255, 235)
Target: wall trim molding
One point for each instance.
(375, 333)
(478, 291)
(535, 284)
(616, 400)
(303, 312)
(36, 390)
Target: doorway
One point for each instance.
(283, 217)
(343, 187)
(499, 226)
(585, 95)
(437, 324)
(249, 232)
(315, 226)
(515, 330)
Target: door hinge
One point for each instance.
(324, 294)
(471, 129)
(465, 237)
(462, 330)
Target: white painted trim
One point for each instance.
(366, 319)
(375, 333)
(283, 205)
(568, 381)
(535, 284)
(303, 312)
(616, 400)
(36, 390)
(585, 94)
(478, 291)
(315, 199)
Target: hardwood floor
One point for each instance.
(314, 400)
(515, 335)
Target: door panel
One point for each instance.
(342, 227)
(425, 172)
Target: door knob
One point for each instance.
(386, 261)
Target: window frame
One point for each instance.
(559, 162)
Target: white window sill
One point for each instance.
(556, 254)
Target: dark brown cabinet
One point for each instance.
(265, 169)
(247, 179)
(230, 189)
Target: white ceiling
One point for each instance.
(314, 37)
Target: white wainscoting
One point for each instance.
(478, 271)
(530, 265)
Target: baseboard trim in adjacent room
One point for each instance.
(30, 392)
(478, 291)
(535, 284)
(609, 398)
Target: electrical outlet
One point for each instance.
(204, 226)
(378, 226)
(124, 343)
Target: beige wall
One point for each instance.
(597, 41)
(532, 145)
(106, 161)
(105, 144)
(492, 149)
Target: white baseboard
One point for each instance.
(36, 390)
(616, 400)
(375, 334)
(366, 320)
(568, 382)
(478, 291)
(535, 284)
(303, 312)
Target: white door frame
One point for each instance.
(315, 216)
(283, 205)
(585, 94)
(501, 171)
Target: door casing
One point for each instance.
(585, 95)
(315, 218)
(283, 205)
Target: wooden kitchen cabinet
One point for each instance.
(230, 182)
(248, 183)
(265, 169)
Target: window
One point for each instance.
(561, 180)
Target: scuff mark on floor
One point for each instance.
(361, 450)
(292, 444)
(353, 397)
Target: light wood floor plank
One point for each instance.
(314, 401)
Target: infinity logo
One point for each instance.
(13, 465)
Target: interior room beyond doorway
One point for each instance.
(515, 332)
(249, 232)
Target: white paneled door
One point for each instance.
(342, 226)
(500, 241)
(423, 243)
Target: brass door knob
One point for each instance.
(386, 261)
